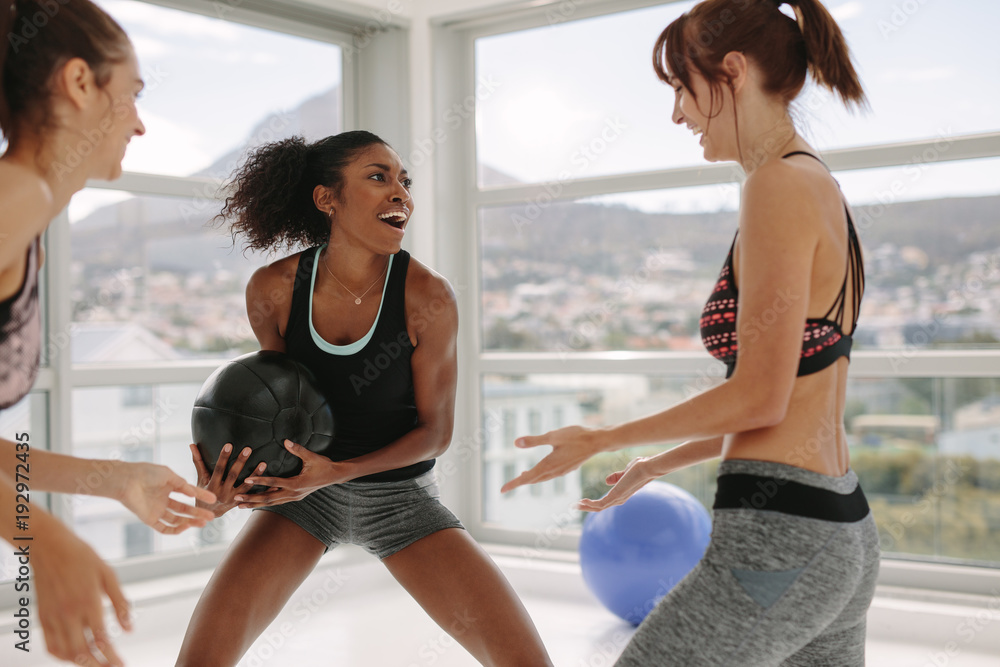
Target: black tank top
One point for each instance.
(369, 383)
(20, 335)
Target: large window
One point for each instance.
(600, 231)
(146, 294)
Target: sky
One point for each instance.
(210, 81)
(929, 73)
(560, 89)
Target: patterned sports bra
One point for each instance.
(823, 341)
(20, 335)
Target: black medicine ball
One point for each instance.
(257, 401)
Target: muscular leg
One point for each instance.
(463, 590)
(267, 561)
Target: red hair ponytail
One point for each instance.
(785, 49)
(828, 56)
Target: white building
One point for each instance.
(512, 410)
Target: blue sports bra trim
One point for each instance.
(358, 345)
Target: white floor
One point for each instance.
(351, 613)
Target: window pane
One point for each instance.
(580, 98)
(215, 88)
(901, 74)
(26, 422)
(621, 272)
(575, 100)
(110, 423)
(562, 400)
(927, 452)
(931, 234)
(153, 282)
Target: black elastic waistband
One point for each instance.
(773, 494)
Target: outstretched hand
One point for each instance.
(317, 471)
(626, 483)
(145, 489)
(571, 446)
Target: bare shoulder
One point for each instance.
(279, 275)
(782, 196)
(426, 285)
(16, 180)
(25, 198)
(430, 301)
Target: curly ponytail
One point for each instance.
(272, 192)
(785, 49)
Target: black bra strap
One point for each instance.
(854, 267)
(802, 153)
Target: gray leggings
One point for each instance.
(776, 586)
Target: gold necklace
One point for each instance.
(357, 299)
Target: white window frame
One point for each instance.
(458, 198)
(369, 46)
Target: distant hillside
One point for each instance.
(170, 234)
(163, 233)
(615, 238)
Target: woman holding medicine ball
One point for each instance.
(378, 329)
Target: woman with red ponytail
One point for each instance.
(68, 85)
(790, 571)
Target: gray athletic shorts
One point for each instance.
(786, 580)
(381, 517)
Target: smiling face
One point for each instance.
(710, 119)
(374, 206)
(120, 122)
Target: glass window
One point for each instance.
(902, 71)
(927, 452)
(580, 99)
(105, 427)
(619, 272)
(215, 88)
(931, 240)
(576, 100)
(153, 282)
(583, 399)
